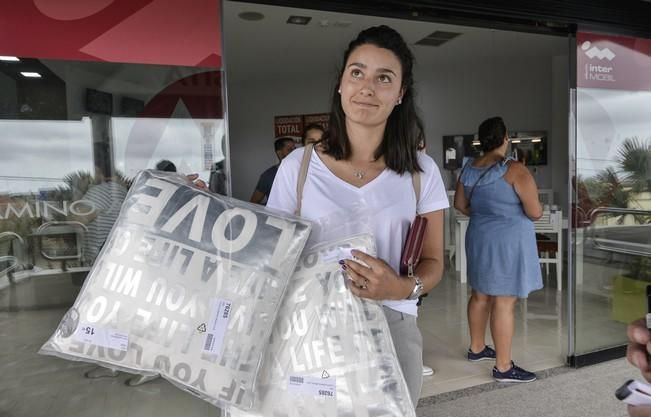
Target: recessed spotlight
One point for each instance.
(9, 58)
(299, 20)
(251, 16)
(30, 74)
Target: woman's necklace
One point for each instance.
(361, 173)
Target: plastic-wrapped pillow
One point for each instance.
(187, 286)
(331, 353)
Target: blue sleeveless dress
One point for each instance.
(501, 241)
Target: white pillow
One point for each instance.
(187, 286)
(331, 353)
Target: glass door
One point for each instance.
(611, 192)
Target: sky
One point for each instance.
(605, 118)
(38, 154)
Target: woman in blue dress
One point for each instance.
(501, 198)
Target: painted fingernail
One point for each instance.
(344, 267)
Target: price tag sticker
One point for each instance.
(99, 336)
(220, 313)
(334, 255)
(318, 387)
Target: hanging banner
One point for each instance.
(167, 32)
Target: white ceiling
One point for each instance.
(270, 48)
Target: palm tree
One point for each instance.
(634, 159)
(614, 190)
(618, 186)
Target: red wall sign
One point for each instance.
(293, 125)
(288, 126)
(169, 32)
(613, 62)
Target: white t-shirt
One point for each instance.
(390, 197)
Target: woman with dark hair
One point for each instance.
(166, 165)
(501, 198)
(370, 153)
(312, 133)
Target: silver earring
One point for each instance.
(339, 91)
(399, 101)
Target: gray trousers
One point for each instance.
(409, 347)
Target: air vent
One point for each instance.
(438, 38)
(251, 16)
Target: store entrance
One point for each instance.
(281, 65)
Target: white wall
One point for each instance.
(453, 99)
(251, 110)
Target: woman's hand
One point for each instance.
(199, 183)
(378, 281)
(639, 342)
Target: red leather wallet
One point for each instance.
(413, 246)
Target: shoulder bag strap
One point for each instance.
(477, 182)
(302, 175)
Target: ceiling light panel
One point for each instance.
(28, 74)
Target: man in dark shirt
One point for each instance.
(283, 147)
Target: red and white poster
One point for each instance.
(613, 62)
(291, 126)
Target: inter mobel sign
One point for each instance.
(613, 62)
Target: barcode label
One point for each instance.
(210, 339)
(319, 387)
(220, 313)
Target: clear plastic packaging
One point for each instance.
(187, 286)
(331, 352)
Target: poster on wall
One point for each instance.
(293, 125)
(457, 147)
(288, 126)
(528, 147)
